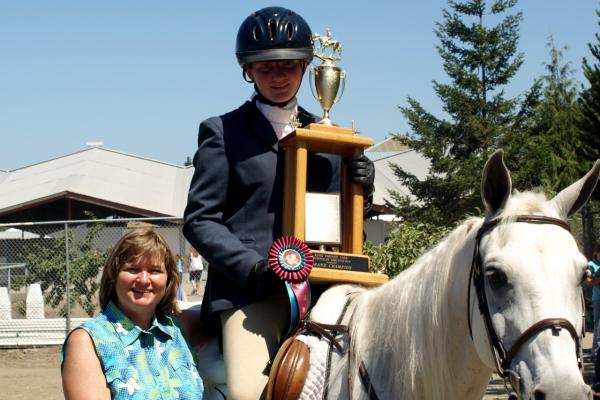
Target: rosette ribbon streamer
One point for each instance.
(292, 261)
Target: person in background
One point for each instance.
(593, 281)
(134, 348)
(196, 268)
(235, 201)
(180, 293)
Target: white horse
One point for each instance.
(424, 335)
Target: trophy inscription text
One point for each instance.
(344, 262)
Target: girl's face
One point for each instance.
(278, 81)
(141, 285)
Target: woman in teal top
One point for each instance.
(593, 281)
(133, 349)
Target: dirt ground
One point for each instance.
(32, 373)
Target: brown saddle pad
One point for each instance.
(289, 370)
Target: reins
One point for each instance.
(503, 357)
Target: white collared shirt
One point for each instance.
(281, 118)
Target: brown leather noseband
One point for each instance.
(502, 357)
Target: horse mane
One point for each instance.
(408, 311)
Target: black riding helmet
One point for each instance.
(273, 33)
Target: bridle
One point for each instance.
(503, 356)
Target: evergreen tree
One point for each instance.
(590, 140)
(590, 108)
(549, 157)
(479, 60)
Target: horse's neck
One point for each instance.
(413, 332)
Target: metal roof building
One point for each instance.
(114, 184)
(106, 182)
(391, 152)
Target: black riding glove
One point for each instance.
(361, 170)
(262, 281)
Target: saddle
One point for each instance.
(289, 370)
(291, 364)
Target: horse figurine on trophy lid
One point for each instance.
(327, 42)
(325, 79)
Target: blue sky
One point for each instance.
(140, 76)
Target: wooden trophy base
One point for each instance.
(350, 265)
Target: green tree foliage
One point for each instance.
(406, 242)
(479, 60)
(590, 130)
(548, 159)
(46, 264)
(590, 108)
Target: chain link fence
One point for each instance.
(50, 273)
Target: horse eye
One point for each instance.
(496, 278)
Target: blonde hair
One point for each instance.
(135, 244)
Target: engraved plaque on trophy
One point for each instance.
(323, 220)
(316, 218)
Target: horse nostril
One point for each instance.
(539, 395)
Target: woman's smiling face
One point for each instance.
(141, 285)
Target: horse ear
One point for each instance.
(572, 198)
(495, 183)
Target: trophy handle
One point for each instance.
(311, 76)
(343, 79)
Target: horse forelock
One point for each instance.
(527, 203)
(411, 313)
(522, 203)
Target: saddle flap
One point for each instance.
(289, 370)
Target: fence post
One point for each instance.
(9, 285)
(181, 241)
(68, 281)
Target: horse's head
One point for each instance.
(530, 269)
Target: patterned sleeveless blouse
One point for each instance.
(144, 364)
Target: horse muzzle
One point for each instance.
(556, 378)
